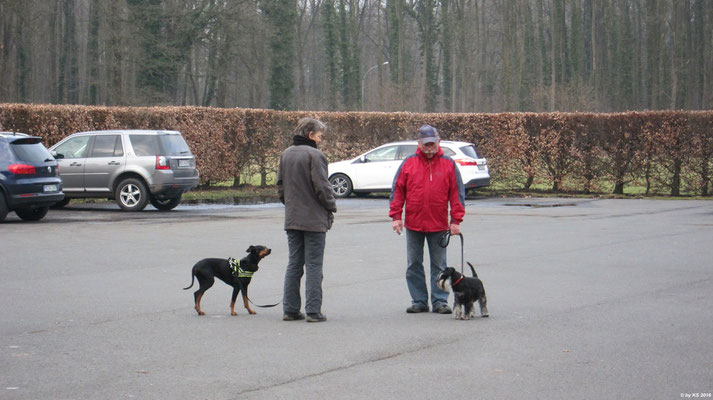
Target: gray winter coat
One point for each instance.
(303, 188)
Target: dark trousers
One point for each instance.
(306, 256)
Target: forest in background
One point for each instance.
(379, 55)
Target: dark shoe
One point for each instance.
(293, 316)
(444, 309)
(417, 308)
(317, 317)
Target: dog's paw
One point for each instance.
(252, 312)
(233, 313)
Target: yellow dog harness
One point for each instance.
(237, 271)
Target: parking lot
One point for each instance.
(589, 299)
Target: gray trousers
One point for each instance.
(306, 256)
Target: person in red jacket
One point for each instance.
(427, 182)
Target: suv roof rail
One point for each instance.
(138, 131)
(14, 134)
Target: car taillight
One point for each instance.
(21, 169)
(465, 162)
(162, 163)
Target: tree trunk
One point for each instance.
(618, 188)
(530, 180)
(676, 181)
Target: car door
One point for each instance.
(105, 161)
(377, 169)
(71, 157)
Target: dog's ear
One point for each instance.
(250, 249)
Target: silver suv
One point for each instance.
(132, 167)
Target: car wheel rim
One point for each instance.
(130, 195)
(339, 186)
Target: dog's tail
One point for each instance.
(193, 278)
(472, 269)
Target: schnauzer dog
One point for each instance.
(466, 291)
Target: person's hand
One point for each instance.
(398, 226)
(455, 229)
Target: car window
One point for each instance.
(470, 151)
(174, 145)
(31, 152)
(382, 154)
(145, 145)
(4, 150)
(407, 150)
(107, 146)
(448, 152)
(73, 148)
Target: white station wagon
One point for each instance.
(374, 170)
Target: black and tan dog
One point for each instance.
(466, 291)
(237, 274)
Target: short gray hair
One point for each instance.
(307, 125)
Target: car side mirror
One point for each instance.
(56, 155)
(362, 159)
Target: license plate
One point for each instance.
(184, 163)
(49, 188)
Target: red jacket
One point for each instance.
(427, 186)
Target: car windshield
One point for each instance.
(174, 145)
(31, 152)
(470, 151)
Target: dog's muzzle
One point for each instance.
(443, 282)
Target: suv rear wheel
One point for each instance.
(32, 213)
(131, 195)
(3, 207)
(165, 204)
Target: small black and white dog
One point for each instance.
(466, 291)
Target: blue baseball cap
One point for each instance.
(428, 134)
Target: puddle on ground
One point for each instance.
(540, 205)
(230, 200)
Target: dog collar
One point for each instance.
(457, 281)
(237, 271)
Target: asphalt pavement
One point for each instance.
(588, 299)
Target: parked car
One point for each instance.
(374, 170)
(133, 167)
(29, 177)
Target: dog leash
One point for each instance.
(446, 240)
(258, 305)
(264, 305)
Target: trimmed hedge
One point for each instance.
(662, 151)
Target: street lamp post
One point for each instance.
(364, 78)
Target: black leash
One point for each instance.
(446, 240)
(264, 305)
(257, 305)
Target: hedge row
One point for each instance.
(662, 151)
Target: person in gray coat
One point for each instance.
(305, 191)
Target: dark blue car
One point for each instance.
(29, 177)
